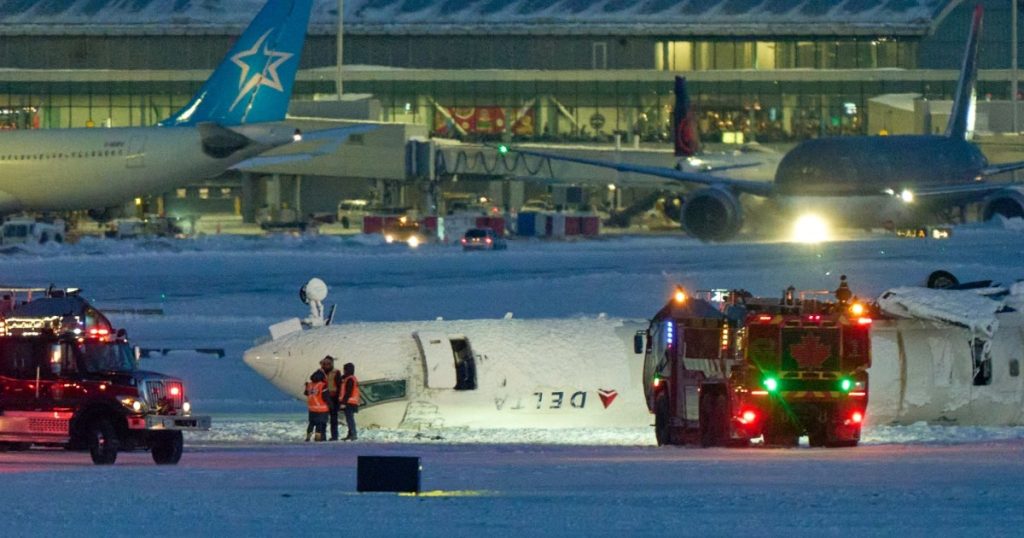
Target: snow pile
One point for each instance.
(960, 307)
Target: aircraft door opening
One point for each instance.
(448, 361)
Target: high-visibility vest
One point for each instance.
(353, 398)
(315, 396)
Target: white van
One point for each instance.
(351, 213)
(22, 230)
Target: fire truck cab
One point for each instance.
(67, 378)
(722, 368)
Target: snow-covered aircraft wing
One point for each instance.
(757, 188)
(965, 308)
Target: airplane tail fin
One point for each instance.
(254, 81)
(683, 132)
(960, 118)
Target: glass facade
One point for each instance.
(768, 55)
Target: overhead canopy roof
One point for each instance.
(486, 17)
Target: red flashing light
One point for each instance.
(857, 417)
(748, 416)
(764, 318)
(488, 240)
(814, 317)
(463, 240)
(175, 390)
(863, 321)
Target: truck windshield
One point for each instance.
(100, 357)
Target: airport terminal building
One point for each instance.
(539, 70)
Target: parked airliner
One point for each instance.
(862, 181)
(233, 117)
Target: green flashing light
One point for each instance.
(771, 384)
(503, 149)
(846, 385)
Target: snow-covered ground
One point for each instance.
(250, 474)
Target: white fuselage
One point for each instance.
(68, 169)
(528, 373)
(553, 373)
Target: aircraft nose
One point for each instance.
(263, 362)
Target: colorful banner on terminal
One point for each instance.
(482, 120)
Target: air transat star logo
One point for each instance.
(810, 353)
(607, 396)
(262, 65)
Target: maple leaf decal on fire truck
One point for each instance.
(810, 353)
(607, 396)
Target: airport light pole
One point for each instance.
(341, 48)
(1013, 62)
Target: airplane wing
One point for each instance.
(331, 140)
(757, 188)
(1002, 167)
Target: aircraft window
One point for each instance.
(375, 392)
(981, 353)
(465, 365)
(1014, 368)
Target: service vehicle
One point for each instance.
(26, 230)
(482, 239)
(68, 379)
(723, 368)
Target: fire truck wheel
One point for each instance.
(167, 448)
(661, 432)
(103, 443)
(817, 438)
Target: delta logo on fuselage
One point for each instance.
(263, 68)
(557, 399)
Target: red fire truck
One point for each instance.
(67, 378)
(722, 368)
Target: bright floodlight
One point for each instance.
(907, 196)
(413, 241)
(810, 229)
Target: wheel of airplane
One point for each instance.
(942, 279)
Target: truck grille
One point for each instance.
(48, 425)
(165, 396)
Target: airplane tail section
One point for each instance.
(683, 132)
(254, 81)
(961, 117)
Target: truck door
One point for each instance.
(448, 361)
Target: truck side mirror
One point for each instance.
(137, 352)
(638, 342)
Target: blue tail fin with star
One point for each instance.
(254, 81)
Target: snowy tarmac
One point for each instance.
(252, 474)
(524, 490)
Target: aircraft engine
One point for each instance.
(1007, 202)
(712, 214)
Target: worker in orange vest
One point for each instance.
(316, 401)
(329, 374)
(350, 399)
